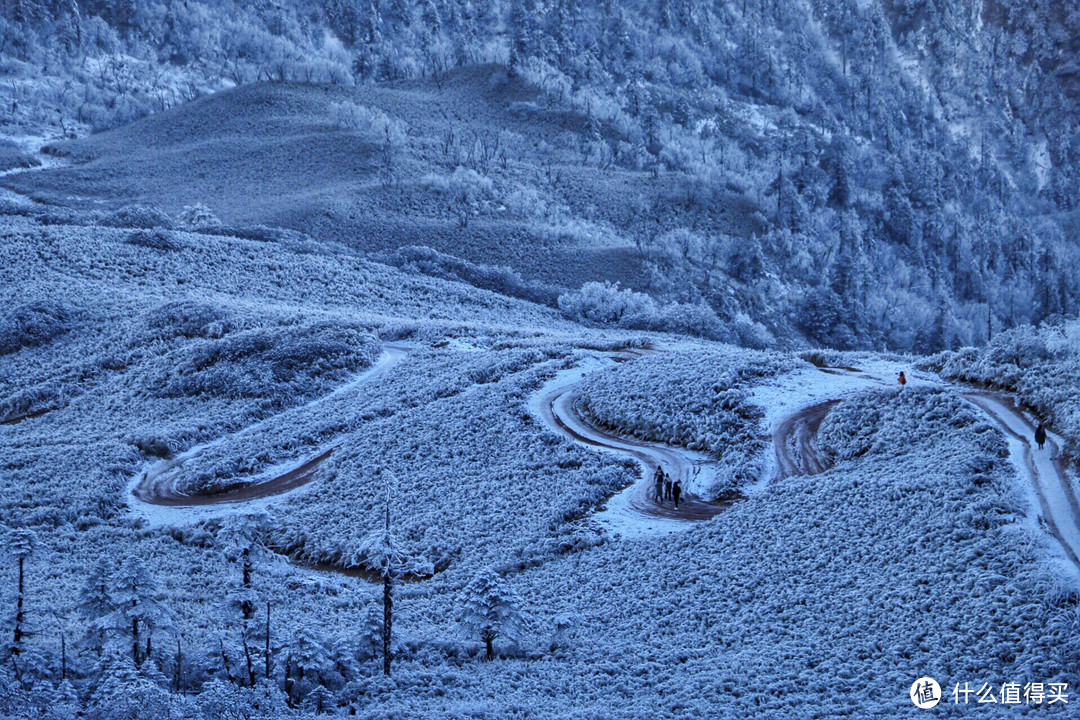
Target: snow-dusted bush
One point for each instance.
(605, 303)
(697, 319)
(464, 185)
(278, 364)
(186, 318)
(608, 304)
(199, 217)
(36, 400)
(32, 324)
(525, 201)
(368, 121)
(137, 216)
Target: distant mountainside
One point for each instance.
(851, 173)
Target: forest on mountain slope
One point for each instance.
(907, 170)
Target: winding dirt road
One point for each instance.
(1056, 496)
(559, 410)
(158, 483)
(796, 454)
(793, 440)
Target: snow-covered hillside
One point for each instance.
(237, 359)
(546, 361)
(757, 163)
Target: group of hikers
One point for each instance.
(667, 487)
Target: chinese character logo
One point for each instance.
(925, 693)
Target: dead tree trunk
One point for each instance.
(388, 619)
(267, 675)
(16, 647)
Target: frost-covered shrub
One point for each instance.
(605, 303)
(157, 239)
(154, 446)
(186, 318)
(887, 422)
(608, 304)
(137, 216)
(280, 364)
(368, 121)
(464, 184)
(33, 324)
(497, 279)
(750, 333)
(525, 201)
(696, 400)
(467, 192)
(10, 206)
(686, 318)
(12, 157)
(199, 217)
(36, 400)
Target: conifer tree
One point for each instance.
(490, 610)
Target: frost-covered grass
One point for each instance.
(693, 397)
(116, 353)
(818, 596)
(825, 596)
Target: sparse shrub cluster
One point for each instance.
(137, 217)
(497, 279)
(370, 122)
(607, 304)
(186, 319)
(199, 217)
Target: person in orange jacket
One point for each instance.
(902, 380)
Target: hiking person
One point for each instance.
(667, 487)
(1040, 435)
(658, 478)
(676, 492)
(902, 380)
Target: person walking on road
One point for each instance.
(1040, 435)
(676, 492)
(658, 479)
(667, 487)
(902, 379)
